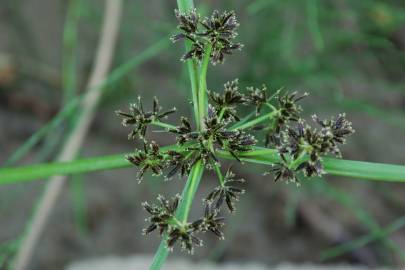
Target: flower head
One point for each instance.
(161, 214)
(226, 103)
(281, 171)
(227, 192)
(289, 110)
(220, 29)
(149, 159)
(184, 235)
(334, 132)
(257, 97)
(210, 222)
(216, 31)
(140, 118)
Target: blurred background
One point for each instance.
(349, 55)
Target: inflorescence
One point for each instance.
(215, 33)
(275, 117)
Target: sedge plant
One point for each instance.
(273, 133)
(219, 131)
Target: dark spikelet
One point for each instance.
(140, 119)
(227, 192)
(219, 30)
(149, 159)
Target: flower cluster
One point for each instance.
(215, 136)
(212, 34)
(302, 147)
(226, 192)
(257, 97)
(163, 218)
(152, 158)
(140, 119)
(224, 132)
(149, 159)
(226, 104)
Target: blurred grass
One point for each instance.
(7, 251)
(364, 240)
(70, 50)
(78, 197)
(302, 61)
(348, 201)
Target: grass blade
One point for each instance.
(324, 188)
(362, 241)
(78, 197)
(333, 166)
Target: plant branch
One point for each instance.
(255, 121)
(202, 90)
(198, 168)
(219, 173)
(163, 125)
(333, 166)
(260, 155)
(192, 66)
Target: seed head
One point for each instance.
(141, 119)
(227, 192)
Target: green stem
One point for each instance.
(300, 159)
(202, 90)
(192, 66)
(255, 121)
(198, 168)
(189, 191)
(163, 125)
(221, 113)
(219, 173)
(243, 120)
(259, 155)
(333, 166)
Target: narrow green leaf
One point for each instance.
(347, 200)
(333, 166)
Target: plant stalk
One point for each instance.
(259, 155)
(202, 90)
(192, 65)
(255, 121)
(198, 168)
